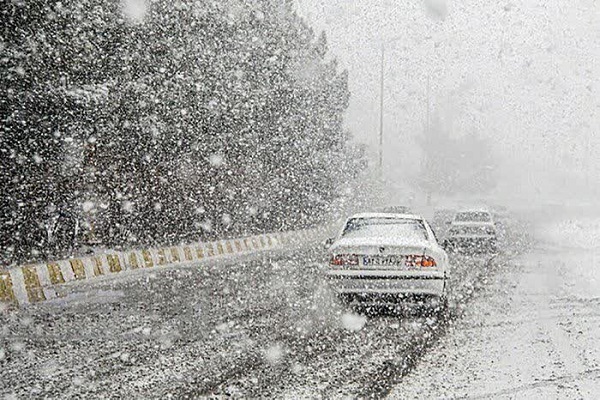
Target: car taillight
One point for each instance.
(420, 261)
(344, 259)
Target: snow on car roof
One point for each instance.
(472, 223)
(474, 209)
(387, 215)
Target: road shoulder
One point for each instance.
(522, 336)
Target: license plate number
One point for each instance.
(382, 261)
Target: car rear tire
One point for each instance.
(436, 307)
(442, 311)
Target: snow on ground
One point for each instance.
(533, 333)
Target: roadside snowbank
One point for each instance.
(572, 233)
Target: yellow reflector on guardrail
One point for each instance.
(175, 254)
(188, 253)
(32, 284)
(78, 268)
(162, 257)
(114, 265)
(97, 266)
(6, 288)
(133, 262)
(147, 259)
(210, 252)
(55, 274)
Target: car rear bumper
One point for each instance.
(473, 242)
(386, 282)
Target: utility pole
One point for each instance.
(428, 117)
(428, 129)
(381, 85)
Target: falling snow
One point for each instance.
(199, 162)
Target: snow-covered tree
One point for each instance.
(167, 122)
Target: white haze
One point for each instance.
(523, 73)
(135, 10)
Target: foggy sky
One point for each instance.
(523, 72)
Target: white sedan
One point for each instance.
(383, 258)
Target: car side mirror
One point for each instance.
(328, 242)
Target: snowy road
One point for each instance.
(259, 328)
(533, 333)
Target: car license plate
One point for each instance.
(381, 261)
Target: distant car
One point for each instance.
(472, 231)
(476, 216)
(386, 258)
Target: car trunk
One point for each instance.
(380, 253)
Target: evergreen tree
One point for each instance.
(200, 119)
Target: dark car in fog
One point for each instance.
(472, 231)
(477, 238)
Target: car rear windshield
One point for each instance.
(473, 216)
(385, 227)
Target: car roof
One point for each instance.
(474, 209)
(472, 223)
(387, 215)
